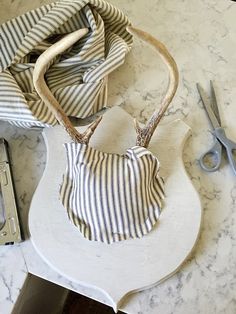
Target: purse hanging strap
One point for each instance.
(143, 134)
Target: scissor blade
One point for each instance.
(214, 103)
(213, 120)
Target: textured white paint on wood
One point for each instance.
(120, 268)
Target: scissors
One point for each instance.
(210, 161)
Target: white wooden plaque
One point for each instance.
(121, 268)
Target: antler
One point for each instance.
(42, 89)
(144, 134)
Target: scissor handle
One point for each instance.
(210, 161)
(229, 145)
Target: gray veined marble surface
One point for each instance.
(201, 37)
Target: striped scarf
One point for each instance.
(78, 77)
(111, 197)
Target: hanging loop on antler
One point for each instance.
(144, 134)
(42, 89)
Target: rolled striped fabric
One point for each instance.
(112, 197)
(77, 78)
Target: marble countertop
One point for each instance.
(201, 37)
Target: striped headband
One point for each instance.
(78, 77)
(109, 197)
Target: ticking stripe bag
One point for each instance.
(78, 77)
(112, 197)
(109, 197)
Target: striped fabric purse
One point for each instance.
(112, 197)
(78, 77)
(109, 197)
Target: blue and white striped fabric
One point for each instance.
(112, 197)
(77, 78)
